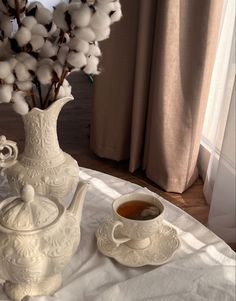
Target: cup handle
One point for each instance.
(111, 233)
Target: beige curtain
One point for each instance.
(150, 100)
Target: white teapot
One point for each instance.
(38, 237)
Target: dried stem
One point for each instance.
(63, 76)
(38, 85)
(17, 7)
(33, 98)
(46, 102)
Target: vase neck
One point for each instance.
(41, 141)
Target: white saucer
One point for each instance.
(163, 245)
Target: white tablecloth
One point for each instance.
(202, 269)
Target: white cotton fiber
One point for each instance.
(29, 22)
(61, 93)
(43, 15)
(79, 45)
(44, 74)
(116, 16)
(105, 1)
(6, 93)
(30, 63)
(37, 42)
(94, 50)
(23, 36)
(62, 54)
(85, 33)
(24, 86)
(106, 7)
(39, 30)
(10, 79)
(45, 61)
(57, 67)
(92, 65)
(102, 33)
(81, 17)
(100, 20)
(59, 16)
(48, 50)
(76, 59)
(19, 104)
(5, 69)
(21, 72)
(12, 62)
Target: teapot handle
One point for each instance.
(8, 153)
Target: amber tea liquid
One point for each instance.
(138, 210)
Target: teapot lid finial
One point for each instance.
(27, 193)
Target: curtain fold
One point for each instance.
(150, 100)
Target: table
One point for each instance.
(202, 269)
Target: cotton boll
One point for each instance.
(44, 74)
(10, 79)
(5, 69)
(94, 50)
(79, 45)
(21, 72)
(33, 5)
(104, 1)
(20, 106)
(116, 16)
(39, 30)
(92, 65)
(53, 29)
(12, 62)
(57, 67)
(30, 63)
(59, 16)
(102, 33)
(76, 59)
(68, 90)
(43, 15)
(48, 50)
(82, 16)
(61, 93)
(74, 6)
(6, 93)
(29, 22)
(106, 7)
(45, 61)
(23, 36)
(36, 42)
(62, 54)
(100, 20)
(24, 86)
(85, 33)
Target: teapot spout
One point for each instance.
(77, 203)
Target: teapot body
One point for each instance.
(32, 261)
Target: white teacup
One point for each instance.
(134, 232)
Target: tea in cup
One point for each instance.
(136, 217)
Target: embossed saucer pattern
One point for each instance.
(164, 244)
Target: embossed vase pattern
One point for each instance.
(43, 164)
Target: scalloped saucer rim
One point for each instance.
(155, 254)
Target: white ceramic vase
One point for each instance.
(42, 164)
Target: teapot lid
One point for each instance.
(29, 212)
